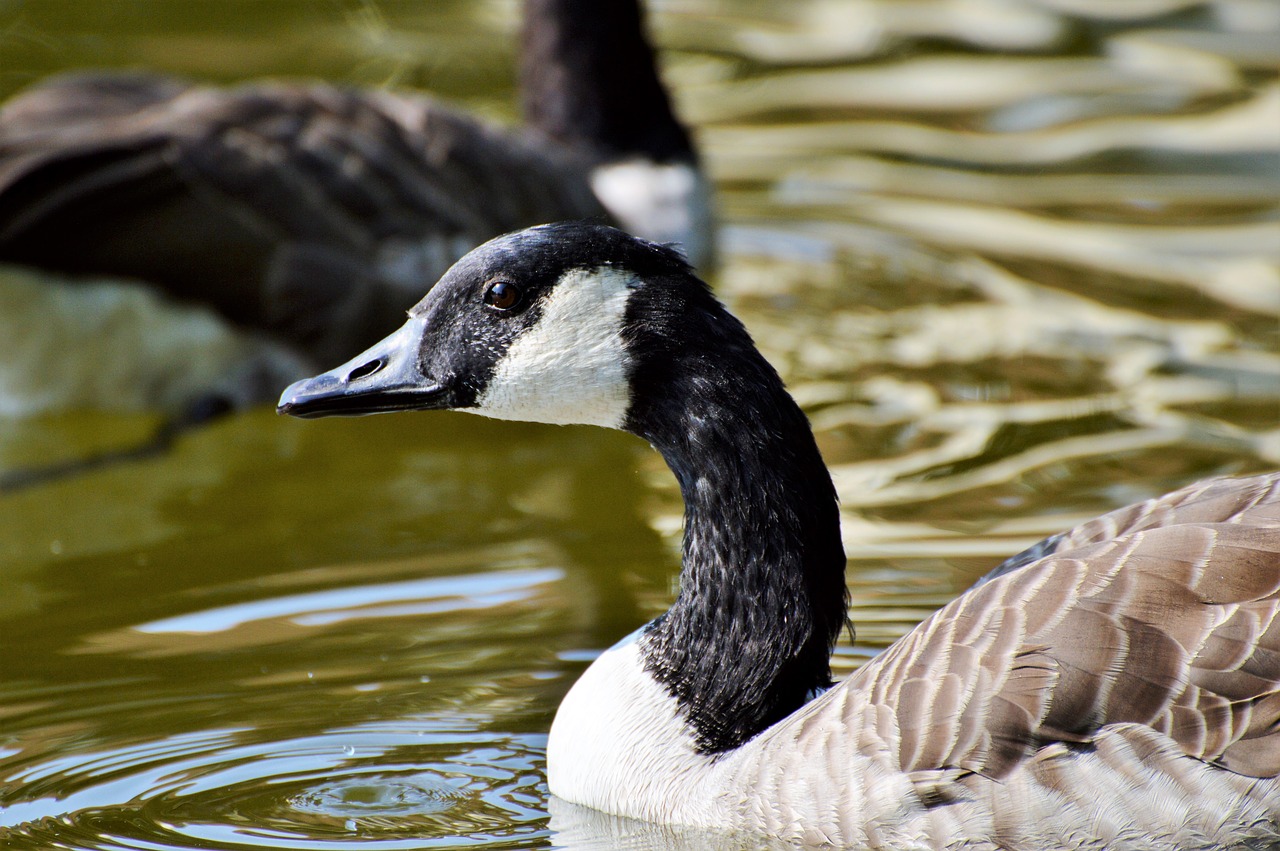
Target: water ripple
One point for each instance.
(382, 785)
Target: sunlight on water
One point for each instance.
(1019, 262)
(418, 597)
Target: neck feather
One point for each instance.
(588, 79)
(762, 594)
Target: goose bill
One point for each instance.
(384, 378)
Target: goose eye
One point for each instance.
(502, 295)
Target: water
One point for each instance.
(1017, 273)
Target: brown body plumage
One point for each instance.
(1125, 686)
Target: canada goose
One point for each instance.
(1116, 687)
(314, 212)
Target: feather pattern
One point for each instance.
(1126, 685)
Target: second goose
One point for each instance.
(312, 212)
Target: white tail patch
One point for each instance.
(571, 366)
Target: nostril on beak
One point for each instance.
(366, 369)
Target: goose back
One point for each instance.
(308, 211)
(313, 212)
(1127, 685)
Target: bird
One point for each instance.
(311, 212)
(1115, 686)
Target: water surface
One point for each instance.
(1020, 263)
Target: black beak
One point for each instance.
(384, 378)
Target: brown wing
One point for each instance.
(267, 199)
(1161, 614)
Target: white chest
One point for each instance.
(617, 744)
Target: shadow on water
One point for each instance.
(160, 441)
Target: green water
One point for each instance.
(1017, 274)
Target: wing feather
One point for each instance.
(1162, 614)
(258, 199)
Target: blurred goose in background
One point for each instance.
(1116, 686)
(311, 213)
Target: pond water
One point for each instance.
(1019, 261)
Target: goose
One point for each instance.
(1116, 686)
(312, 212)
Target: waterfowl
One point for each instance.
(1117, 686)
(313, 212)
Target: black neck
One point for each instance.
(762, 594)
(588, 79)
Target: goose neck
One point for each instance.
(589, 80)
(762, 594)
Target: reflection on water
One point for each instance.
(390, 785)
(1019, 261)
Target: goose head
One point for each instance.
(542, 325)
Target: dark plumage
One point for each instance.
(311, 212)
(762, 598)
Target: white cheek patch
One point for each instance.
(571, 366)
